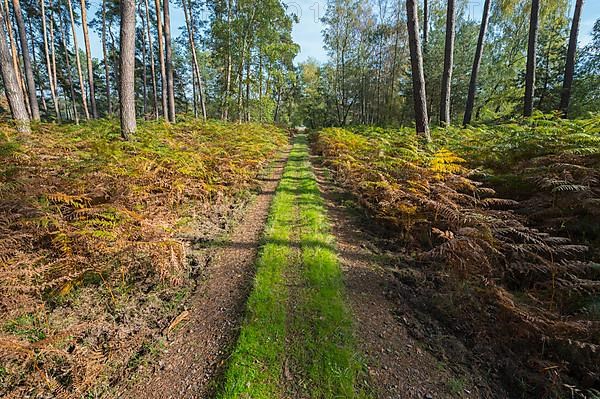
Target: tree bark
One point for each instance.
(477, 63)
(78, 62)
(152, 70)
(31, 91)
(531, 58)
(88, 54)
(13, 91)
(105, 55)
(127, 68)
(169, 61)
(570, 62)
(416, 59)
(48, 64)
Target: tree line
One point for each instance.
(429, 61)
(232, 59)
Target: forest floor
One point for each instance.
(320, 319)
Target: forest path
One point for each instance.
(200, 343)
(316, 321)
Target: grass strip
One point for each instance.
(327, 350)
(256, 364)
(322, 348)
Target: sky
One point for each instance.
(308, 32)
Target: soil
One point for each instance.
(200, 338)
(404, 358)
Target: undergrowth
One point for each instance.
(94, 238)
(530, 291)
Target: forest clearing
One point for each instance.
(197, 202)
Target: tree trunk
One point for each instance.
(53, 58)
(36, 69)
(247, 102)
(127, 68)
(48, 64)
(144, 68)
(477, 63)
(105, 55)
(78, 62)
(570, 62)
(13, 91)
(531, 58)
(152, 70)
(448, 65)
(416, 59)
(63, 35)
(88, 55)
(169, 61)
(226, 95)
(33, 102)
(14, 53)
(161, 59)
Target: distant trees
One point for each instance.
(233, 59)
(256, 77)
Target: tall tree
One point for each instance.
(78, 61)
(53, 51)
(152, 70)
(477, 63)
(48, 63)
(448, 64)
(127, 68)
(14, 94)
(169, 62)
(418, 78)
(31, 90)
(531, 58)
(229, 66)
(161, 61)
(88, 55)
(570, 62)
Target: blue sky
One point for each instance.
(307, 32)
